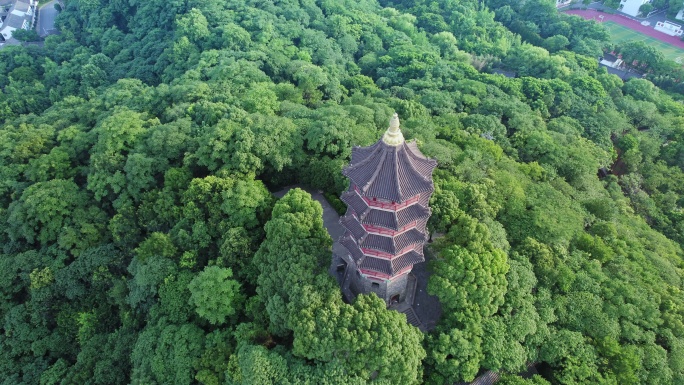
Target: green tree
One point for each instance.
(259, 366)
(471, 287)
(193, 25)
(214, 295)
(296, 251)
(55, 211)
(645, 9)
(376, 343)
(117, 135)
(165, 353)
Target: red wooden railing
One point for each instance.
(385, 205)
(382, 254)
(385, 231)
(375, 253)
(373, 274)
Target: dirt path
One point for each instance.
(629, 23)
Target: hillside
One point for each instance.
(141, 243)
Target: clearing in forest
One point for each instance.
(620, 33)
(623, 28)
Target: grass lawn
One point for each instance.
(619, 33)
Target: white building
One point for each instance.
(669, 28)
(22, 14)
(631, 7)
(680, 14)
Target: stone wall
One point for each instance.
(384, 289)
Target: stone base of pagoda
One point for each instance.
(390, 290)
(353, 283)
(341, 271)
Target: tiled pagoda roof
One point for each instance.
(381, 242)
(386, 266)
(353, 248)
(353, 226)
(390, 219)
(395, 173)
(355, 202)
(396, 220)
(395, 244)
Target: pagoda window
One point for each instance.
(375, 285)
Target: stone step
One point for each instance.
(411, 317)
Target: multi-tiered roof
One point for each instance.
(387, 205)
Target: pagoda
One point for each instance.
(387, 212)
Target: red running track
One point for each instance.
(629, 23)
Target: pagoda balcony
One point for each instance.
(384, 205)
(388, 232)
(379, 275)
(374, 274)
(382, 254)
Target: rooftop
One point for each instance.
(17, 17)
(392, 172)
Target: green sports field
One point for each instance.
(619, 33)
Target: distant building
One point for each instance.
(631, 7)
(611, 61)
(562, 3)
(669, 28)
(21, 15)
(387, 212)
(616, 66)
(680, 14)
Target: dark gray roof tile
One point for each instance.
(392, 267)
(395, 173)
(407, 238)
(412, 213)
(353, 226)
(352, 247)
(378, 242)
(353, 200)
(403, 261)
(369, 215)
(392, 245)
(381, 218)
(360, 153)
(377, 264)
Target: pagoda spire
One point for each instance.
(393, 136)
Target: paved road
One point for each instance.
(631, 24)
(46, 19)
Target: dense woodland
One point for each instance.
(141, 243)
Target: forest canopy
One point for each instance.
(141, 242)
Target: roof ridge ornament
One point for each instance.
(393, 136)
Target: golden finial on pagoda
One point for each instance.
(393, 136)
